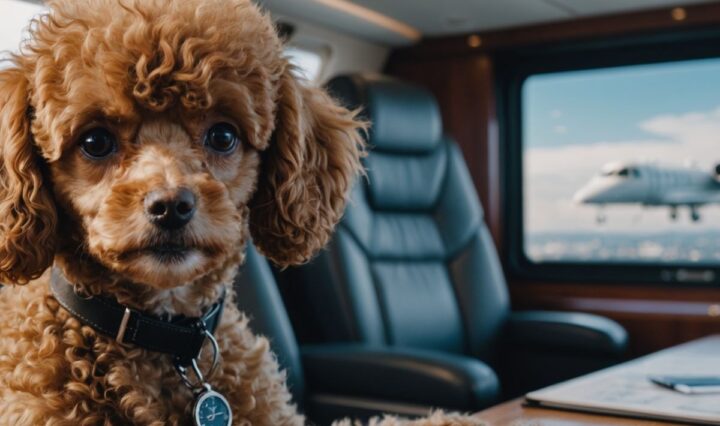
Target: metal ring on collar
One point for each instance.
(183, 371)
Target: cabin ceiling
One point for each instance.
(433, 18)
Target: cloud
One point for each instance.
(553, 174)
(586, 160)
(560, 129)
(698, 132)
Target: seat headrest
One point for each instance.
(404, 118)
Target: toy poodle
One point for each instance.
(142, 143)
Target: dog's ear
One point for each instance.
(27, 211)
(306, 173)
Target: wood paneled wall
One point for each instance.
(460, 72)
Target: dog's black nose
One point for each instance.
(170, 209)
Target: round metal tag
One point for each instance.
(212, 409)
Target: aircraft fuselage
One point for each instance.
(650, 185)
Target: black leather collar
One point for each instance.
(182, 336)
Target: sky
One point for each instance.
(575, 122)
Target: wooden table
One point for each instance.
(514, 413)
(694, 355)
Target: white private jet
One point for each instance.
(653, 186)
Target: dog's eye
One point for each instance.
(221, 138)
(98, 143)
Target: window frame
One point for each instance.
(513, 68)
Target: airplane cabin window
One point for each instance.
(653, 117)
(617, 171)
(309, 63)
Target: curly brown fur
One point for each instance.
(56, 371)
(156, 74)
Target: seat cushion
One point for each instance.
(405, 182)
(419, 305)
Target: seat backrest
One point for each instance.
(412, 263)
(258, 297)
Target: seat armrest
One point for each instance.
(402, 375)
(566, 331)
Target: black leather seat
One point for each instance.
(413, 266)
(334, 381)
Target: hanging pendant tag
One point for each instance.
(211, 408)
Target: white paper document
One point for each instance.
(626, 390)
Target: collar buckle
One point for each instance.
(123, 325)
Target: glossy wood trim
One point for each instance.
(661, 292)
(572, 30)
(620, 300)
(655, 317)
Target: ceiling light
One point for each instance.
(678, 14)
(474, 41)
(373, 17)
